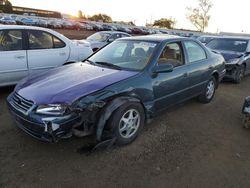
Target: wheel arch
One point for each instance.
(107, 111)
(215, 74)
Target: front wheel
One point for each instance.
(208, 93)
(126, 122)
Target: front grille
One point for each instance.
(21, 103)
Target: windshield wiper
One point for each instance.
(108, 65)
(91, 62)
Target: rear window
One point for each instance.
(236, 45)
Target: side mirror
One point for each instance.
(163, 68)
(111, 40)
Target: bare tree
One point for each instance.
(199, 16)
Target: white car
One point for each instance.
(26, 49)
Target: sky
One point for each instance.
(226, 15)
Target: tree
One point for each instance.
(199, 16)
(101, 17)
(6, 6)
(80, 14)
(165, 23)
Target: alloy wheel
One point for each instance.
(129, 123)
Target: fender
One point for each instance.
(107, 112)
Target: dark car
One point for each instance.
(204, 39)
(116, 89)
(236, 51)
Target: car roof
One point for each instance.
(234, 37)
(57, 34)
(154, 38)
(209, 36)
(113, 32)
(23, 27)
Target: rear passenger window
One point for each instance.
(40, 40)
(10, 40)
(58, 43)
(194, 51)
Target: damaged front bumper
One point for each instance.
(44, 127)
(231, 72)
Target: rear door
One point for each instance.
(45, 51)
(199, 67)
(13, 59)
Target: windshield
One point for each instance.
(236, 45)
(204, 39)
(101, 37)
(128, 55)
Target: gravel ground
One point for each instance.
(193, 145)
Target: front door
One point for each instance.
(13, 60)
(170, 88)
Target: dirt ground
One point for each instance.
(193, 145)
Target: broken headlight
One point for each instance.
(51, 109)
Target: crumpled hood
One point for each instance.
(228, 55)
(66, 84)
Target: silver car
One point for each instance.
(102, 38)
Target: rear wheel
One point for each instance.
(208, 92)
(126, 122)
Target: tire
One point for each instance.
(124, 128)
(240, 72)
(208, 93)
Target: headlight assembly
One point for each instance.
(51, 109)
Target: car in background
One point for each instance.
(236, 51)
(116, 89)
(28, 50)
(102, 38)
(7, 20)
(42, 23)
(204, 39)
(54, 24)
(26, 21)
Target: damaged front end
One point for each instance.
(44, 127)
(246, 112)
(51, 123)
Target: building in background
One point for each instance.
(36, 12)
(6, 7)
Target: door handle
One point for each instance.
(185, 74)
(62, 54)
(19, 57)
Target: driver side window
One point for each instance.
(172, 54)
